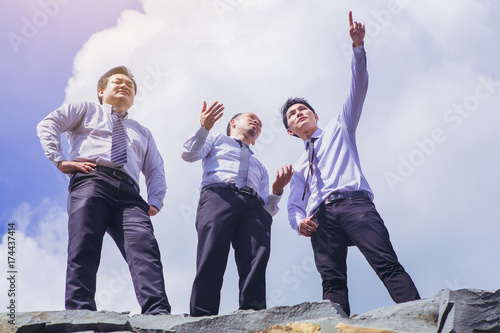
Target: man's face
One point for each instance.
(300, 119)
(248, 124)
(119, 92)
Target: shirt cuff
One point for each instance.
(57, 158)
(273, 198)
(360, 49)
(297, 223)
(157, 203)
(202, 133)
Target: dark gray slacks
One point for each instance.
(98, 203)
(226, 217)
(356, 222)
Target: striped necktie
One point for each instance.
(118, 141)
(310, 157)
(241, 179)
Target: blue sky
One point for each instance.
(427, 137)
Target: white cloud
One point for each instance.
(40, 237)
(252, 56)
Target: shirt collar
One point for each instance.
(239, 140)
(109, 108)
(317, 133)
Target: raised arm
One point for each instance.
(359, 82)
(195, 147)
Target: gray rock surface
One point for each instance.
(468, 311)
(245, 321)
(460, 311)
(67, 321)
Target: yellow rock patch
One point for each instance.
(292, 328)
(343, 328)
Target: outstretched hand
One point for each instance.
(209, 117)
(283, 176)
(357, 31)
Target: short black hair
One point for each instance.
(103, 81)
(292, 101)
(228, 129)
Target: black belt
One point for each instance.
(246, 190)
(117, 174)
(337, 196)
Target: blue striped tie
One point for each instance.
(241, 178)
(118, 141)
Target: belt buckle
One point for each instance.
(334, 197)
(118, 174)
(245, 190)
(126, 178)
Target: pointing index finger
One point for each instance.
(351, 23)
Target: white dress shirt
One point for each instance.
(220, 155)
(88, 126)
(336, 162)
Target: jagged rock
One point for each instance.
(460, 311)
(68, 321)
(415, 317)
(103, 321)
(468, 311)
(245, 321)
(412, 317)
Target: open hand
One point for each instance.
(283, 176)
(209, 117)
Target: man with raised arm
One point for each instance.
(235, 208)
(107, 152)
(328, 174)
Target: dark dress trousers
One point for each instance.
(100, 202)
(355, 221)
(227, 217)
